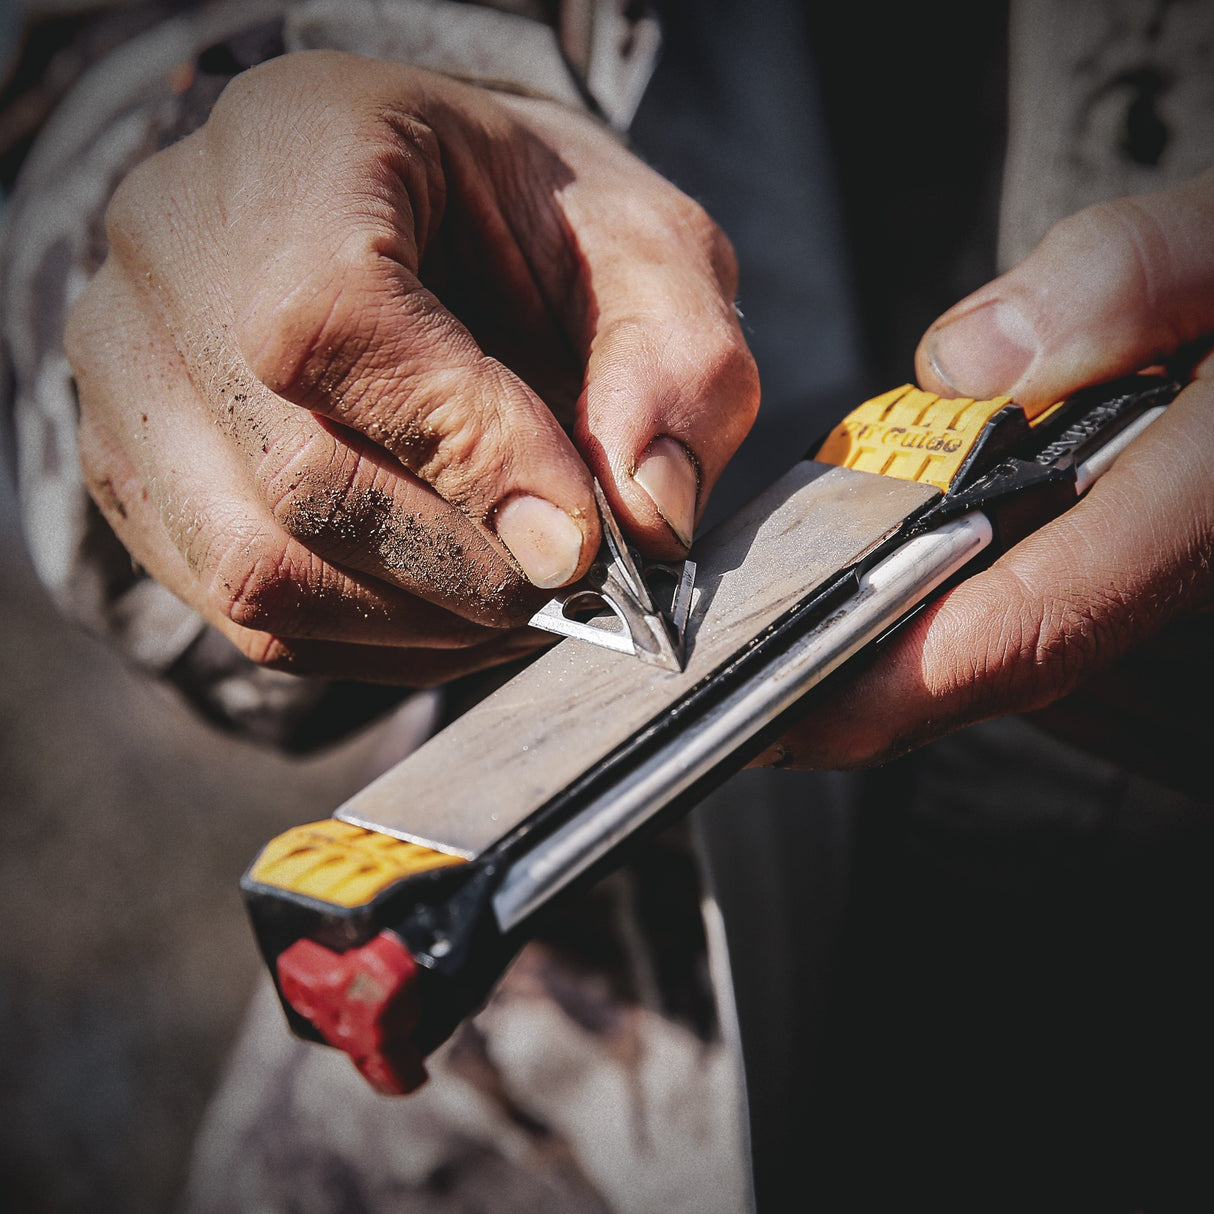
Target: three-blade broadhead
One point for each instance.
(619, 586)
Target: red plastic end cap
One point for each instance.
(364, 1002)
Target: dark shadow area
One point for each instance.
(126, 959)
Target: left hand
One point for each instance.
(360, 343)
(1111, 290)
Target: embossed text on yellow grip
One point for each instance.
(910, 434)
(342, 864)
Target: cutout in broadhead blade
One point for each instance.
(619, 580)
(551, 617)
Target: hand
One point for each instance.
(329, 370)
(1111, 290)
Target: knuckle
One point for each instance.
(259, 588)
(97, 462)
(1104, 236)
(96, 337)
(722, 258)
(143, 202)
(419, 435)
(451, 452)
(264, 90)
(697, 228)
(315, 497)
(79, 331)
(108, 485)
(309, 71)
(1125, 256)
(734, 373)
(243, 93)
(125, 213)
(450, 443)
(725, 379)
(324, 340)
(407, 154)
(302, 342)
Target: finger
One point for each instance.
(173, 490)
(401, 667)
(541, 539)
(671, 388)
(1063, 604)
(1110, 290)
(290, 595)
(352, 503)
(329, 313)
(304, 488)
(660, 418)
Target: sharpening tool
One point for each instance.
(389, 923)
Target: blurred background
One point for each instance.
(125, 957)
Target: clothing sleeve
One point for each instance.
(149, 90)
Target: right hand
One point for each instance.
(328, 371)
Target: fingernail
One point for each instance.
(668, 475)
(985, 352)
(544, 540)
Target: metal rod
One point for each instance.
(1098, 463)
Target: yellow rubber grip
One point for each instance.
(339, 863)
(910, 434)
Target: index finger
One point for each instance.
(671, 387)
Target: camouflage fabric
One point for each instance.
(1107, 98)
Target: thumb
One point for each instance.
(1110, 290)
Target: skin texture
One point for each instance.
(1087, 603)
(360, 344)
